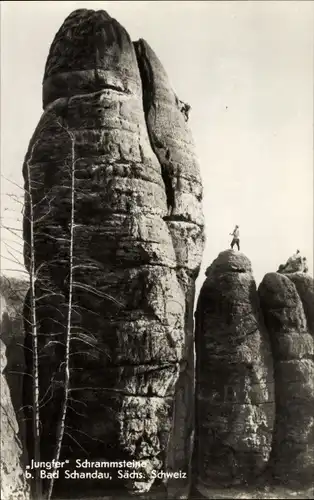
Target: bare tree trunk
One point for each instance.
(61, 424)
(35, 366)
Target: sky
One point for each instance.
(246, 69)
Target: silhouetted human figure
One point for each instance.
(236, 237)
(186, 111)
(184, 108)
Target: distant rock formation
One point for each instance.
(287, 301)
(305, 287)
(13, 482)
(138, 243)
(12, 292)
(234, 378)
(295, 263)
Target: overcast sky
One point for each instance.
(246, 68)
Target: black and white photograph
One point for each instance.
(156, 285)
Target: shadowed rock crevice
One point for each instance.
(149, 101)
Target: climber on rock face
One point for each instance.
(184, 108)
(236, 237)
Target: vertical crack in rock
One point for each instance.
(234, 378)
(149, 103)
(287, 303)
(172, 143)
(132, 278)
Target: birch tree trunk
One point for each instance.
(61, 424)
(34, 332)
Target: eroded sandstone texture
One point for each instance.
(287, 303)
(13, 483)
(173, 145)
(134, 260)
(13, 292)
(234, 378)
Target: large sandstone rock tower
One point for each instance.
(254, 377)
(234, 378)
(111, 167)
(287, 300)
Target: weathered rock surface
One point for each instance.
(287, 303)
(13, 483)
(234, 378)
(13, 292)
(304, 284)
(295, 263)
(173, 145)
(133, 267)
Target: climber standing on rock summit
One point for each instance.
(236, 237)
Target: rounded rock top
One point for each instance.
(229, 261)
